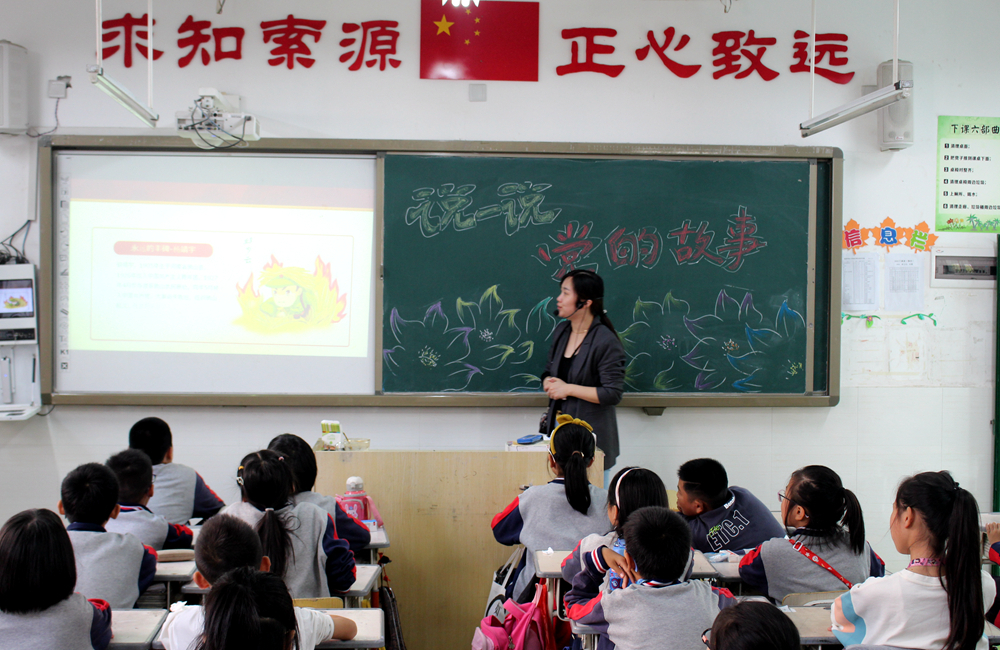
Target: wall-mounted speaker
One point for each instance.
(13, 88)
(895, 121)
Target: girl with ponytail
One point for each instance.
(585, 372)
(300, 539)
(562, 512)
(826, 551)
(939, 601)
(249, 610)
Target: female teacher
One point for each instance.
(585, 373)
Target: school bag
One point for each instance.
(503, 584)
(526, 627)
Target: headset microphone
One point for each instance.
(579, 306)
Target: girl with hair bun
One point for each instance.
(940, 599)
(560, 513)
(827, 550)
(300, 539)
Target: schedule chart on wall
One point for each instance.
(968, 189)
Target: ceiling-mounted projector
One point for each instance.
(216, 122)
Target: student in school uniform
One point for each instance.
(752, 626)
(226, 544)
(827, 551)
(560, 513)
(110, 566)
(134, 472)
(38, 606)
(658, 606)
(301, 458)
(721, 516)
(181, 493)
(301, 539)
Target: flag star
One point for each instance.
(477, 32)
(466, 41)
(443, 25)
(477, 21)
(468, 11)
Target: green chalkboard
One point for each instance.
(705, 264)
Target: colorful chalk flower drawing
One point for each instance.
(451, 354)
(655, 343)
(291, 299)
(15, 302)
(738, 347)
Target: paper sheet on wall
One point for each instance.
(860, 281)
(904, 282)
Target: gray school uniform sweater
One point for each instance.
(107, 566)
(548, 521)
(305, 570)
(778, 569)
(151, 529)
(173, 498)
(73, 624)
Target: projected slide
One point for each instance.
(219, 279)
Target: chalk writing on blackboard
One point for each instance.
(639, 248)
(573, 244)
(520, 205)
(741, 240)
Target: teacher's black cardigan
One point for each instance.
(599, 362)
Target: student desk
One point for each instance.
(813, 624)
(172, 573)
(380, 540)
(371, 629)
(703, 569)
(588, 635)
(364, 583)
(548, 567)
(135, 629)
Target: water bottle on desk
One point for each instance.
(355, 501)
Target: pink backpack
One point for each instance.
(526, 627)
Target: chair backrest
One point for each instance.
(810, 598)
(330, 602)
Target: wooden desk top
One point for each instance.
(135, 629)
(175, 571)
(549, 565)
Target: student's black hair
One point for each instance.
(134, 472)
(952, 517)
(37, 566)
(299, 456)
(265, 481)
(705, 479)
(226, 543)
(249, 609)
(89, 493)
(152, 435)
(831, 506)
(574, 449)
(659, 541)
(589, 286)
(640, 488)
(753, 626)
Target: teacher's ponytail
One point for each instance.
(589, 286)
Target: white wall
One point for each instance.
(900, 413)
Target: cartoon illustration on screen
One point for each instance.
(291, 299)
(15, 302)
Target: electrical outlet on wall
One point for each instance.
(58, 86)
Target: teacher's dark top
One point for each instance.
(599, 362)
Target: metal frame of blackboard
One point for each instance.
(652, 403)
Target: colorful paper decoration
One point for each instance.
(888, 235)
(929, 317)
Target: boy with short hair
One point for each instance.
(110, 566)
(228, 543)
(662, 607)
(721, 516)
(134, 472)
(181, 493)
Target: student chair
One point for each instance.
(330, 602)
(811, 598)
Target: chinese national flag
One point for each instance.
(497, 41)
